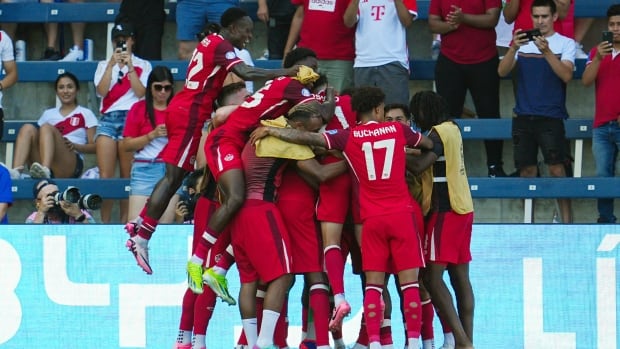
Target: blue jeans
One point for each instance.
(605, 146)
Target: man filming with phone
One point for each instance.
(603, 68)
(545, 65)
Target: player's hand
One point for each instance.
(259, 133)
(292, 71)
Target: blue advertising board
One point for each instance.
(536, 286)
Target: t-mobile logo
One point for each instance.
(377, 12)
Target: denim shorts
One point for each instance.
(112, 124)
(144, 176)
(192, 15)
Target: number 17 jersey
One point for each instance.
(376, 155)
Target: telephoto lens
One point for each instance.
(90, 202)
(71, 194)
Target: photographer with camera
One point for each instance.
(66, 207)
(120, 81)
(187, 203)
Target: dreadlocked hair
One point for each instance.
(428, 109)
(304, 110)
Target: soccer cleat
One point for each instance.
(219, 285)
(141, 253)
(132, 229)
(194, 277)
(182, 346)
(39, 171)
(342, 310)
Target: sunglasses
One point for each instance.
(120, 77)
(159, 87)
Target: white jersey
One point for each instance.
(6, 52)
(120, 96)
(73, 126)
(380, 38)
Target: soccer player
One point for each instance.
(375, 154)
(224, 145)
(212, 59)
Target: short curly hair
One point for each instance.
(366, 98)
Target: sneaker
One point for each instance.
(74, 55)
(39, 171)
(182, 346)
(219, 285)
(342, 310)
(194, 277)
(496, 171)
(141, 253)
(131, 228)
(307, 344)
(51, 54)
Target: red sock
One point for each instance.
(187, 311)
(372, 311)
(319, 303)
(147, 227)
(412, 309)
(227, 259)
(281, 332)
(208, 239)
(304, 319)
(385, 333)
(334, 264)
(204, 306)
(428, 313)
(144, 209)
(242, 340)
(362, 336)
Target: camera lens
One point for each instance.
(90, 202)
(71, 194)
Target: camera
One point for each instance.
(73, 195)
(530, 34)
(189, 201)
(122, 44)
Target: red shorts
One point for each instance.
(334, 199)
(222, 153)
(184, 131)
(391, 236)
(260, 241)
(203, 211)
(448, 237)
(305, 235)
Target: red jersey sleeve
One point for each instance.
(412, 6)
(336, 139)
(412, 137)
(435, 8)
(225, 55)
(297, 93)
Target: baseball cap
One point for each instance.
(39, 185)
(122, 29)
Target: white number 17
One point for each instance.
(367, 148)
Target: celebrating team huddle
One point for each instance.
(296, 164)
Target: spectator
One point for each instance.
(185, 207)
(120, 82)
(51, 211)
(582, 25)
(545, 66)
(148, 18)
(468, 62)
(76, 52)
(277, 15)
(55, 148)
(191, 17)
(322, 29)
(518, 12)
(448, 207)
(381, 54)
(10, 70)
(6, 195)
(603, 69)
(144, 136)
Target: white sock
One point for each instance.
(219, 270)
(339, 298)
(196, 260)
(250, 329)
(199, 341)
(141, 241)
(267, 328)
(374, 345)
(184, 337)
(359, 346)
(448, 339)
(428, 344)
(413, 343)
(339, 342)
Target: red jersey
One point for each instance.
(467, 44)
(344, 118)
(213, 58)
(262, 175)
(273, 100)
(323, 29)
(376, 155)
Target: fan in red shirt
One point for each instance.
(374, 151)
(213, 58)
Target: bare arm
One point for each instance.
(328, 107)
(425, 143)
(591, 71)
(247, 72)
(103, 87)
(320, 172)
(10, 77)
(404, 16)
(416, 164)
(350, 14)
(89, 147)
(511, 10)
(222, 114)
(131, 144)
(4, 208)
(562, 7)
(288, 135)
(293, 34)
(563, 69)
(488, 20)
(508, 62)
(439, 26)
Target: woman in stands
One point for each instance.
(54, 147)
(120, 82)
(145, 136)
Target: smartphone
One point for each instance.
(122, 45)
(530, 34)
(609, 37)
